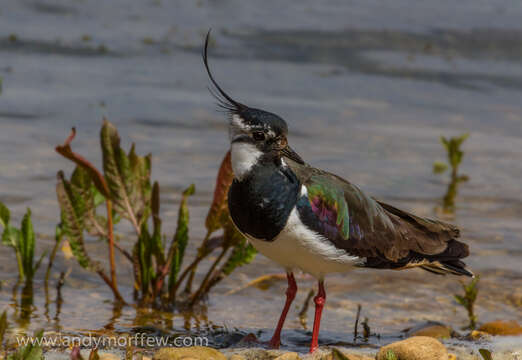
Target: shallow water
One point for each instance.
(366, 88)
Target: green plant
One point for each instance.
(454, 155)
(22, 241)
(468, 300)
(125, 189)
(31, 351)
(390, 355)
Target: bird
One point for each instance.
(311, 220)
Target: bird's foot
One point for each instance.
(274, 343)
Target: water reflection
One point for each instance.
(23, 303)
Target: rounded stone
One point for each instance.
(501, 327)
(194, 352)
(415, 348)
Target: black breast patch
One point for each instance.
(261, 203)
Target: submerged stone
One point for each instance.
(432, 329)
(415, 348)
(194, 352)
(501, 327)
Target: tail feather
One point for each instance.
(455, 267)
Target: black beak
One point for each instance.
(292, 155)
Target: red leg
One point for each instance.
(290, 295)
(319, 301)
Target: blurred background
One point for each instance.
(367, 89)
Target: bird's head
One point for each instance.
(253, 132)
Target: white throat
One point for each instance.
(244, 156)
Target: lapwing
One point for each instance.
(311, 220)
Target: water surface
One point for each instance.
(366, 89)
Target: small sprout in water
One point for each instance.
(439, 167)
(468, 301)
(454, 155)
(366, 329)
(390, 355)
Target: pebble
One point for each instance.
(415, 348)
(501, 327)
(189, 353)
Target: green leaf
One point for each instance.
(73, 212)
(439, 167)
(156, 220)
(144, 251)
(127, 176)
(5, 215)
(390, 355)
(181, 237)
(242, 254)
(29, 351)
(27, 244)
(486, 354)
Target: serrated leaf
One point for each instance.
(127, 176)
(218, 214)
(73, 212)
(180, 241)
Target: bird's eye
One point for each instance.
(258, 135)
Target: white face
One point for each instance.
(243, 157)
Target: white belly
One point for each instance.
(297, 247)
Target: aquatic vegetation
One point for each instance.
(486, 354)
(31, 351)
(126, 191)
(390, 355)
(22, 241)
(468, 300)
(454, 155)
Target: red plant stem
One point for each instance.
(115, 291)
(204, 283)
(110, 235)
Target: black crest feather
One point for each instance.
(224, 100)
